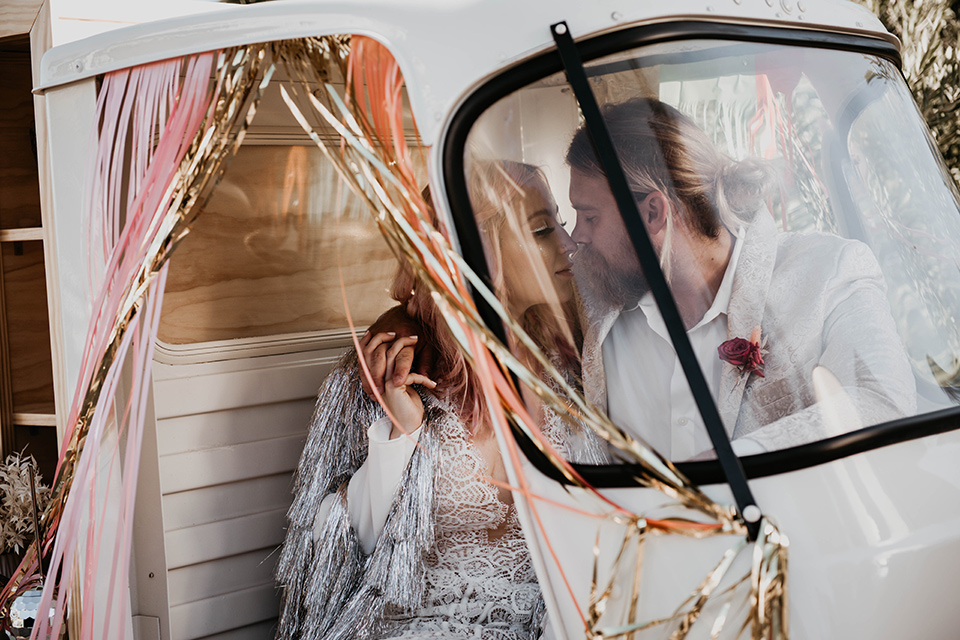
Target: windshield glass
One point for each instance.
(800, 213)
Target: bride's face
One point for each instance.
(534, 252)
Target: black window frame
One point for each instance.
(548, 63)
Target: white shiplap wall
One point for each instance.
(229, 435)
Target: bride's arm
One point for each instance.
(371, 491)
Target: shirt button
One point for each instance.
(682, 421)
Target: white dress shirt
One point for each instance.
(647, 391)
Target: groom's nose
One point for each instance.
(567, 245)
(581, 235)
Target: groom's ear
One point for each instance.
(654, 210)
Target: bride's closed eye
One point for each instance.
(543, 230)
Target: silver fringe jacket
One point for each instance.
(331, 589)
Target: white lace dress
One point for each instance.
(480, 582)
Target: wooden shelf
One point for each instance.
(20, 235)
(35, 419)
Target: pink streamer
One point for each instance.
(141, 101)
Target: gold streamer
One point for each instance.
(372, 163)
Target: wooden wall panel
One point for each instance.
(231, 385)
(229, 440)
(25, 292)
(231, 427)
(230, 464)
(224, 538)
(17, 16)
(226, 501)
(254, 632)
(264, 257)
(19, 181)
(220, 577)
(223, 613)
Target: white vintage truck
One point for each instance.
(283, 260)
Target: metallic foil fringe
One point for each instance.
(373, 158)
(330, 588)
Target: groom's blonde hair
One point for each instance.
(661, 149)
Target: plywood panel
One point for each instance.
(19, 181)
(234, 426)
(226, 501)
(41, 39)
(17, 16)
(25, 292)
(206, 468)
(264, 257)
(223, 613)
(236, 573)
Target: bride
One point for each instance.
(406, 529)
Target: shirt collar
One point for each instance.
(721, 303)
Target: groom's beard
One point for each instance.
(606, 284)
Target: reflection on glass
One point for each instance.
(802, 219)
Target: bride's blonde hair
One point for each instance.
(495, 187)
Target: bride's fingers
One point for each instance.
(391, 356)
(403, 365)
(373, 348)
(416, 378)
(396, 348)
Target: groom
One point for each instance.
(812, 305)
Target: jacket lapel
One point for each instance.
(594, 380)
(751, 281)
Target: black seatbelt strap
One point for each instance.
(603, 145)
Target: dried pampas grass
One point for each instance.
(929, 31)
(16, 506)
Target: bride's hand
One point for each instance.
(402, 400)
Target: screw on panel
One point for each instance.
(78, 66)
(709, 9)
(616, 16)
(859, 24)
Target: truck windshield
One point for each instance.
(801, 214)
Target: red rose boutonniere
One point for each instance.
(745, 355)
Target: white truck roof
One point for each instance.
(443, 47)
